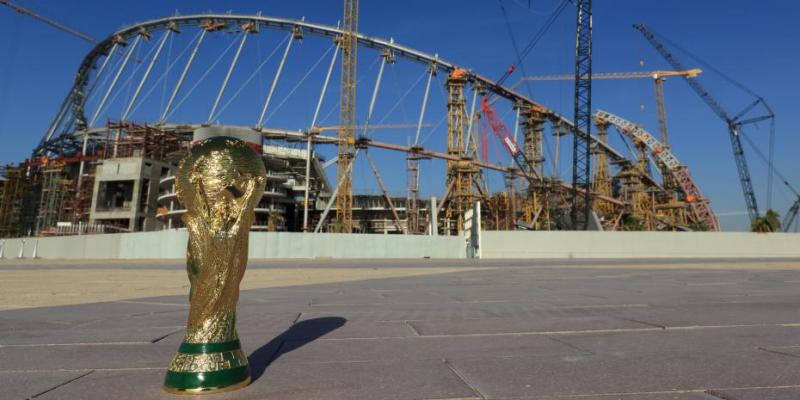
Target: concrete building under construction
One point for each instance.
(90, 177)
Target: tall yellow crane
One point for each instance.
(658, 78)
(348, 44)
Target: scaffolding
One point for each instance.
(412, 197)
(536, 211)
(147, 141)
(601, 177)
(56, 193)
(13, 184)
(462, 173)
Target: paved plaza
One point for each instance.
(417, 329)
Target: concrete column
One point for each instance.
(434, 217)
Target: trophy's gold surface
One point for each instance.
(219, 182)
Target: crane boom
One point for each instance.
(54, 24)
(502, 133)
(731, 123)
(691, 73)
(348, 43)
(790, 216)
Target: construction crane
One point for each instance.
(613, 75)
(54, 24)
(734, 123)
(581, 154)
(347, 119)
(697, 202)
(791, 215)
(501, 131)
(658, 78)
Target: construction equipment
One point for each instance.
(791, 215)
(385, 192)
(658, 78)
(699, 204)
(348, 43)
(502, 133)
(48, 21)
(581, 155)
(734, 123)
(691, 73)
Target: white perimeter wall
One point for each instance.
(172, 244)
(518, 244)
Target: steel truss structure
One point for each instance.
(73, 133)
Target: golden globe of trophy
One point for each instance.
(219, 183)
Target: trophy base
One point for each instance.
(201, 368)
(207, 390)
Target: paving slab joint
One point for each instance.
(61, 384)
(463, 379)
(777, 352)
(717, 395)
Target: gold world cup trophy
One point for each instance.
(219, 183)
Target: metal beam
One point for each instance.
(114, 82)
(333, 196)
(227, 77)
(272, 87)
(308, 139)
(424, 101)
(385, 192)
(182, 77)
(153, 61)
(470, 123)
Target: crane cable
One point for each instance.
(534, 40)
(759, 99)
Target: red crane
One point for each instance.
(501, 131)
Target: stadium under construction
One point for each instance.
(104, 169)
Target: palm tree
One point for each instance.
(770, 222)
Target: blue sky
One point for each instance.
(752, 42)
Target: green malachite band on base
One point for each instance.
(205, 381)
(202, 348)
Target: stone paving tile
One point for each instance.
(646, 396)
(67, 335)
(361, 340)
(508, 325)
(725, 314)
(99, 356)
(780, 340)
(386, 380)
(422, 348)
(79, 314)
(366, 329)
(390, 379)
(626, 373)
(117, 385)
(23, 385)
(791, 393)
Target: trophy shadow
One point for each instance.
(298, 335)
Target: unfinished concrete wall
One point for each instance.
(171, 244)
(517, 244)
